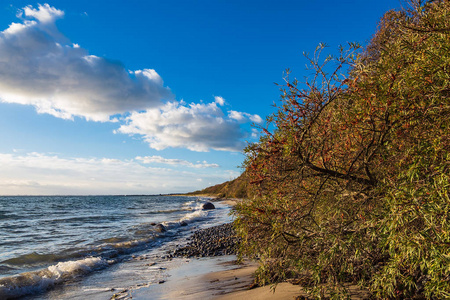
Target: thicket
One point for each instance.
(352, 173)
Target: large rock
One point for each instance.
(208, 205)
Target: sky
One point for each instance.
(151, 97)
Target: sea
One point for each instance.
(94, 247)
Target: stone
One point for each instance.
(160, 228)
(214, 241)
(208, 205)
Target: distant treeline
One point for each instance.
(237, 188)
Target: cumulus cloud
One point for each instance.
(45, 13)
(44, 174)
(197, 127)
(219, 100)
(244, 117)
(40, 67)
(174, 161)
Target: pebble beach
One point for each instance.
(208, 269)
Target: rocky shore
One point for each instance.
(214, 241)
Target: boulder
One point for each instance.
(208, 205)
(160, 228)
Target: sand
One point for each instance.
(214, 278)
(219, 278)
(226, 282)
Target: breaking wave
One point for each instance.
(41, 280)
(113, 238)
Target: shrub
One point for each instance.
(352, 183)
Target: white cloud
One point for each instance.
(235, 115)
(197, 127)
(219, 100)
(45, 174)
(174, 161)
(44, 14)
(255, 118)
(40, 67)
(244, 117)
(255, 133)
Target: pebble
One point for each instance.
(214, 241)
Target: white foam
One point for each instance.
(70, 268)
(196, 204)
(194, 216)
(37, 281)
(197, 214)
(190, 205)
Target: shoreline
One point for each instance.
(215, 276)
(220, 277)
(129, 251)
(213, 198)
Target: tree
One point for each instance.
(353, 183)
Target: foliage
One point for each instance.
(352, 185)
(236, 188)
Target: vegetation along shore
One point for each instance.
(349, 183)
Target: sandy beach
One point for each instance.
(217, 277)
(222, 278)
(213, 278)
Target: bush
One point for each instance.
(352, 184)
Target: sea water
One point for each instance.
(88, 247)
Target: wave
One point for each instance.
(31, 259)
(75, 262)
(4, 269)
(194, 204)
(196, 214)
(141, 237)
(165, 211)
(193, 212)
(41, 280)
(7, 216)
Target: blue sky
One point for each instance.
(148, 97)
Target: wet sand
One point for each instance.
(214, 278)
(218, 277)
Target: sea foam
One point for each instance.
(197, 213)
(41, 280)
